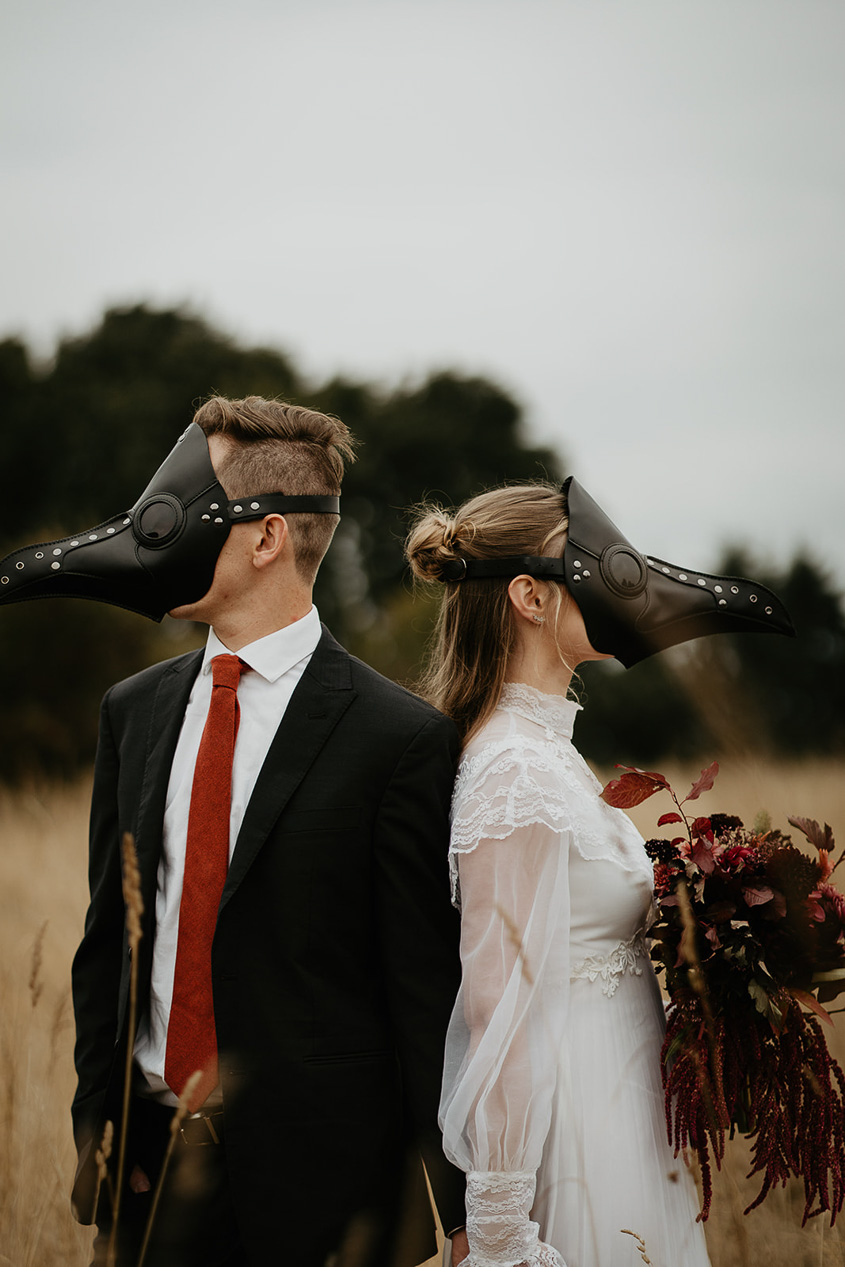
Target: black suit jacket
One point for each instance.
(335, 960)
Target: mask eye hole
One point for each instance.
(625, 572)
(158, 520)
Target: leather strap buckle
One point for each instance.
(202, 1129)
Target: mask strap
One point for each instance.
(514, 565)
(257, 507)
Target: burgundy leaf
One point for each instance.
(703, 858)
(815, 835)
(757, 894)
(630, 789)
(803, 996)
(721, 911)
(669, 818)
(703, 783)
(655, 775)
(702, 827)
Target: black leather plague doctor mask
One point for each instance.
(159, 554)
(633, 604)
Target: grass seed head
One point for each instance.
(132, 891)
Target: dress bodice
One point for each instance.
(522, 768)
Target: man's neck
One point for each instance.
(237, 630)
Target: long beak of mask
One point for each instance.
(159, 554)
(633, 604)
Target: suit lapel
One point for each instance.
(322, 696)
(165, 724)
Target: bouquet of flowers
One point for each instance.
(750, 934)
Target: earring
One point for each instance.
(539, 619)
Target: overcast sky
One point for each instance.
(629, 213)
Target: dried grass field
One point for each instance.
(42, 902)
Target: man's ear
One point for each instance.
(273, 542)
(528, 598)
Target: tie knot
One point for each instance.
(226, 670)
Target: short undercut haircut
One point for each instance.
(282, 448)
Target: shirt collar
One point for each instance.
(274, 654)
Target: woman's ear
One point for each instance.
(273, 541)
(528, 598)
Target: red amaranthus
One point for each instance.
(751, 936)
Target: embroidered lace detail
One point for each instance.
(611, 968)
(521, 778)
(499, 1229)
(503, 787)
(553, 712)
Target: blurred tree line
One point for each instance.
(83, 434)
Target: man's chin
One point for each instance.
(188, 612)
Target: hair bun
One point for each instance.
(432, 545)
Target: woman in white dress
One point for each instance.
(552, 1097)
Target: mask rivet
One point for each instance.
(92, 536)
(723, 602)
(682, 576)
(57, 550)
(110, 531)
(255, 505)
(126, 522)
(214, 506)
(39, 554)
(666, 571)
(4, 580)
(768, 611)
(734, 589)
(19, 566)
(718, 589)
(206, 518)
(55, 566)
(577, 577)
(585, 573)
(236, 509)
(74, 543)
(701, 581)
(218, 520)
(753, 598)
(576, 563)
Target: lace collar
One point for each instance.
(552, 711)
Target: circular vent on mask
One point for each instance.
(624, 571)
(158, 520)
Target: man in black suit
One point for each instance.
(334, 962)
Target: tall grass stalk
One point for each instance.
(178, 1118)
(134, 911)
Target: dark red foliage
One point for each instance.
(703, 783)
(632, 788)
(758, 935)
(783, 1090)
(821, 838)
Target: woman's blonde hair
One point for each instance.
(475, 631)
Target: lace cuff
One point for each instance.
(499, 1229)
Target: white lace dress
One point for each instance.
(552, 1097)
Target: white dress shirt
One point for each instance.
(277, 663)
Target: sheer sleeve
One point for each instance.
(510, 847)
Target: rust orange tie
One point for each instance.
(191, 1036)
